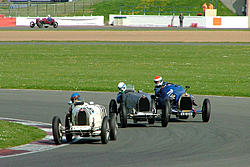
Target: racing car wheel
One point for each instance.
(165, 116)
(57, 129)
(206, 110)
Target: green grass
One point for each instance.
(106, 7)
(13, 134)
(113, 7)
(214, 70)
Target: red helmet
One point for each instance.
(158, 80)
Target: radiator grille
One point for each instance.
(186, 103)
(144, 104)
(82, 118)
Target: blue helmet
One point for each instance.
(75, 96)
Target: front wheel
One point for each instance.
(113, 127)
(165, 116)
(55, 24)
(206, 110)
(123, 115)
(67, 128)
(105, 130)
(57, 130)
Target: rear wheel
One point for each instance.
(112, 107)
(67, 127)
(183, 116)
(206, 110)
(123, 115)
(151, 120)
(105, 130)
(57, 130)
(165, 116)
(135, 121)
(39, 24)
(113, 127)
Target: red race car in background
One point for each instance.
(44, 22)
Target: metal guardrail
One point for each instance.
(159, 10)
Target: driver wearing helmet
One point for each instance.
(158, 85)
(49, 18)
(122, 87)
(75, 97)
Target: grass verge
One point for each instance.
(214, 70)
(13, 134)
(113, 7)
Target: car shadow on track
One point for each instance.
(189, 120)
(87, 141)
(158, 123)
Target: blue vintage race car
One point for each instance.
(175, 99)
(138, 106)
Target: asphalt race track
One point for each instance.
(224, 141)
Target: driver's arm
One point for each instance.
(119, 97)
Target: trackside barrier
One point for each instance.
(7, 21)
(155, 21)
(173, 21)
(227, 22)
(66, 21)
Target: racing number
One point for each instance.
(90, 109)
(170, 92)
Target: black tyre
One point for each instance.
(105, 130)
(113, 127)
(57, 130)
(123, 115)
(40, 25)
(67, 127)
(165, 116)
(55, 24)
(206, 110)
(151, 120)
(112, 107)
(32, 24)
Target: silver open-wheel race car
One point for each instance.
(138, 106)
(85, 120)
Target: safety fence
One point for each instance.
(160, 10)
(55, 9)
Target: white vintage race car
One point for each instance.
(85, 120)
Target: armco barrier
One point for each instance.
(7, 21)
(155, 21)
(66, 21)
(189, 21)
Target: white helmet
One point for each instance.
(158, 80)
(122, 86)
(48, 15)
